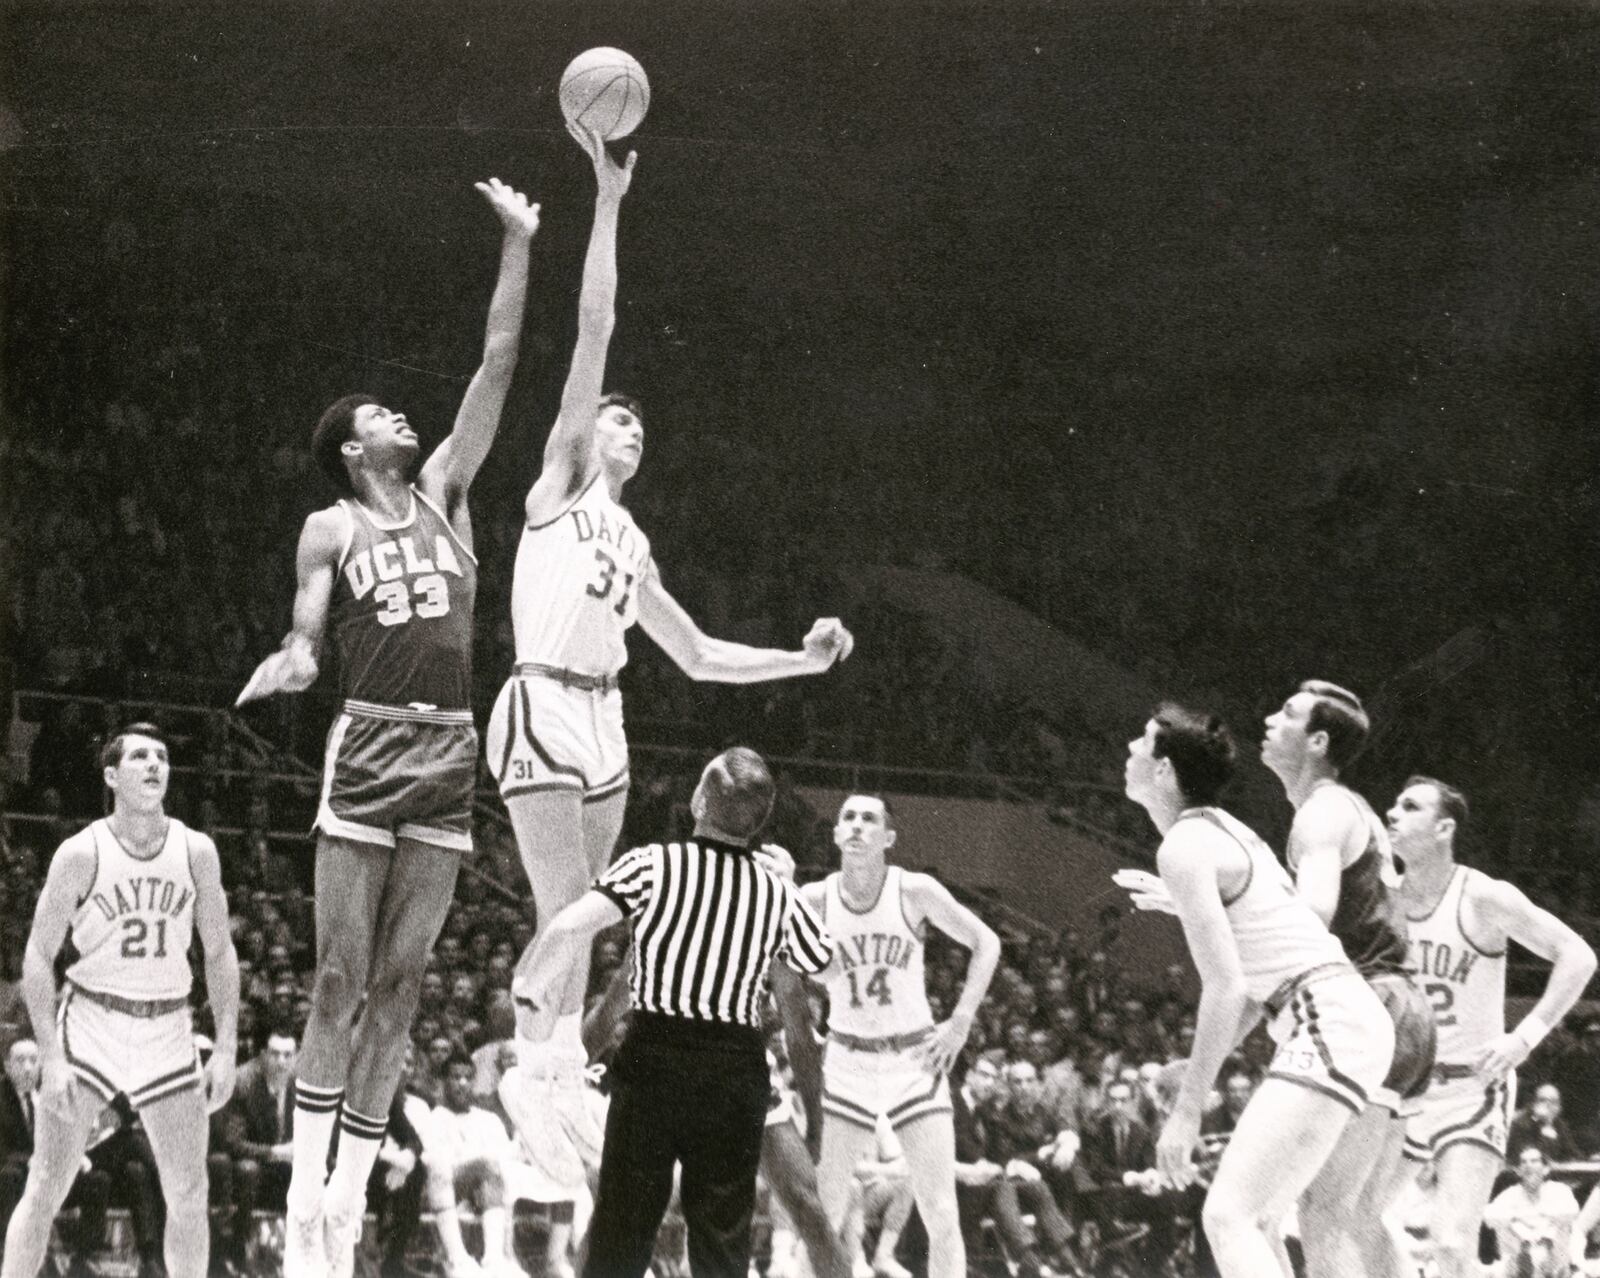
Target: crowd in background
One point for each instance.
(1062, 1088)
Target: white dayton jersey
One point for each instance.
(575, 589)
(877, 988)
(1465, 984)
(1278, 935)
(133, 929)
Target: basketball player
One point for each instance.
(1339, 854)
(583, 575)
(391, 567)
(1257, 944)
(885, 1056)
(133, 889)
(1461, 921)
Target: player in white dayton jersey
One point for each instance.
(584, 574)
(885, 1057)
(390, 571)
(1257, 944)
(1461, 921)
(133, 890)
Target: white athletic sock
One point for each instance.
(359, 1138)
(448, 1224)
(316, 1109)
(494, 1236)
(569, 1030)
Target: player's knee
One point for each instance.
(1225, 1217)
(341, 981)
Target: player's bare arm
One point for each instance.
(569, 935)
(1500, 909)
(928, 899)
(569, 452)
(66, 886)
(1190, 873)
(293, 667)
(709, 660)
(805, 1053)
(1326, 837)
(450, 471)
(222, 966)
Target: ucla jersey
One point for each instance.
(1368, 920)
(1279, 936)
(877, 989)
(1465, 984)
(132, 930)
(401, 611)
(575, 590)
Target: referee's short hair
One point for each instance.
(739, 792)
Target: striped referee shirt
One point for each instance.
(707, 923)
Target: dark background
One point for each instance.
(1243, 343)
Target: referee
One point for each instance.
(690, 1083)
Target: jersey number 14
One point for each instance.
(877, 987)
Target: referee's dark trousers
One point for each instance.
(689, 1092)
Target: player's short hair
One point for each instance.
(1452, 803)
(621, 400)
(111, 752)
(334, 427)
(1338, 712)
(1201, 749)
(739, 792)
(888, 809)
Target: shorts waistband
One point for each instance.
(566, 678)
(888, 1043)
(682, 1031)
(144, 1008)
(1446, 1073)
(417, 712)
(1279, 998)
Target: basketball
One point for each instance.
(605, 90)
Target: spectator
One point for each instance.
(1118, 1161)
(261, 1133)
(468, 1150)
(880, 1193)
(399, 1179)
(1541, 1125)
(19, 1112)
(1533, 1220)
(1024, 1140)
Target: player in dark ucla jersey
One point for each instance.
(390, 570)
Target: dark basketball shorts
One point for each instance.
(394, 772)
(1415, 1040)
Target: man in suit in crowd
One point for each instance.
(91, 1192)
(999, 1165)
(1118, 1162)
(259, 1132)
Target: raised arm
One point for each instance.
(293, 668)
(222, 966)
(568, 451)
(568, 936)
(709, 660)
(66, 885)
(1189, 871)
(929, 899)
(450, 471)
(1507, 911)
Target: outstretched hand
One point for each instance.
(290, 669)
(612, 178)
(510, 206)
(1146, 890)
(829, 640)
